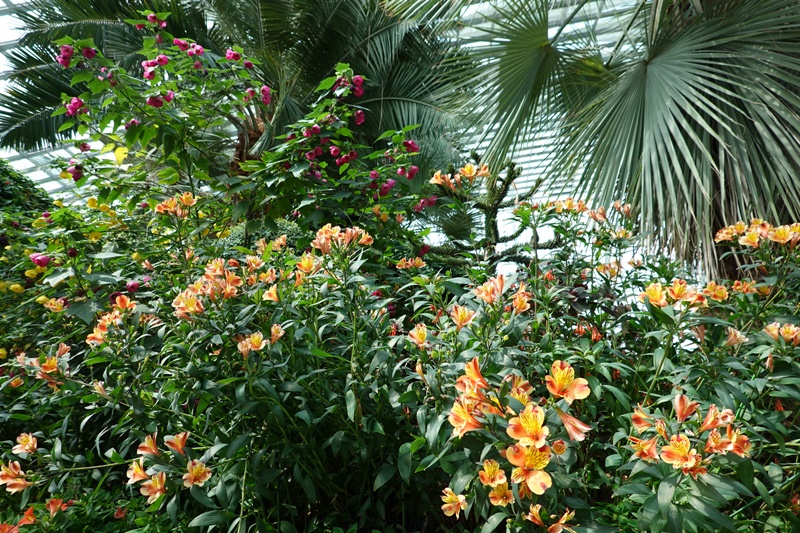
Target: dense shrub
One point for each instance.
(171, 361)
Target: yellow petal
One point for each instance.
(120, 154)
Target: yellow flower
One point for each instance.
(655, 293)
(64, 175)
(17, 288)
(492, 474)
(3, 353)
(92, 203)
(42, 299)
(39, 223)
(105, 208)
(136, 256)
(528, 428)
(112, 213)
(94, 236)
(501, 495)
(3, 286)
(154, 488)
(561, 383)
(58, 203)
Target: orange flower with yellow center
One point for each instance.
(276, 333)
(716, 292)
(576, 430)
(679, 453)
(683, 407)
(419, 335)
(735, 337)
(461, 316)
(453, 503)
(26, 443)
(136, 471)
(530, 462)
(640, 419)
(679, 290)
(655, 294)
(155, 487)
(559, 447)
(442, 180)
(773, 330)
(781, 234)
(462, 417)
(534, 514)
(501, 495)
(271, 295)
(257, 341)
(197, 473)
(177, 442)
(646, 450)
(492, 475)
(751, 239)
(307, 264)
(13, 477)
(528, 428)
(149, 446)
(745, 286)
(472, 380)
(562, 383)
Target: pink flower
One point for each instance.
(248, 64)
(74, 106)
(84, 147)
(410, 145)
(63, 61)
(152, 19)
(149, 73)
(89, 53)
(197, 65)
(195, 50)
(352, 155)
(359, 117)
(139, 26)
(373, 174)
(249, 94)
(181, 44)
(155, 101)
(67, 50)
(162, 60)
(358, 91)
(412, 171)
(169, 96)
(358, 81)
(335, 151)
(132, 122)
(232, 55)
(311, 155)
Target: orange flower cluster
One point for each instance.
(219, 281)
(788, 332)
(177, 205)
(155, 485)
(121, 305)
(405, 264)
(530, 454)
(491, 291)
(469, 172)
(557, 527)
(611, 269)
(568, 205)
(328, 237)
(679, 451)
(26, 443)
(680, 293)
(13, 477)
(758, 232)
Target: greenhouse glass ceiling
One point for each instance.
(533, 155)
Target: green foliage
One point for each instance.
(19, 194)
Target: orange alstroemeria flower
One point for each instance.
(472, 380)
(528, 428)
(177, 442)
(501, 495)
(716, 292)
(562, 525)
(419, 335)
(276, 332)
(307, 264)
(530, 462)
(27, 518)
(197, 473)
(461, 316)
(716, 418)
(256, 341)
(680, 454)
(122, 303)
(562, 383)
(154, 488)
(735, 337)
(773, 330)
(683, 407)
(678, 290)
(740, 444)
(534, 514)
(453, 503)
(646, 450)
(655, 294)
(55, 505)
(781, 234)
(492, 475)
(559, 447)
(641, 420)
(149, 446)
(13, 477)
(271, 294)
(575, 428)
(462, 417)
(751, 239)
(136, 471)
(26, 443)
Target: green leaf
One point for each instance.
(350, 400)
(666, 490)
(492, 523)
(385, 474)
(211, 518)
(200, 495)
